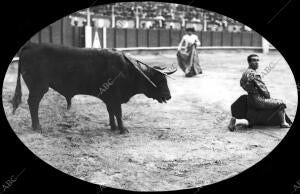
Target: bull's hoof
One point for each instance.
(124, 131)
(231, 125)
(37, 128)
(113, 128)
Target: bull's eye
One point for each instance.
(74, 91)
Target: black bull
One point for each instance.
(106, 74)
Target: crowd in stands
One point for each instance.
(162, 15)
(167, 11)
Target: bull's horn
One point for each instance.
(170, 72)
(164, 70)
(159, 68)
(139, 68)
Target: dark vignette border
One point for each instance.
(279, 172)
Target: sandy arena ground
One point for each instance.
(182, 144)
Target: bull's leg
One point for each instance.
(33, 102)
(118, 114)
(112, 122)
(114, 109)
(69, 102)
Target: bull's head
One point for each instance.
(160, 91)
(153, 80)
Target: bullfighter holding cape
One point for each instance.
(188, 59)
(257, 108)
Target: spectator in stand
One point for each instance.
(172, 14)
(149, 25)
(224, 21)
(144, 15)
(195, 20)
(168, 11)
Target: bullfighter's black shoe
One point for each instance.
(231, 125)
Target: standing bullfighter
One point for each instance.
(257, 108)
(109, 75)
(188, 59)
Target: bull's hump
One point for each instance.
(110, 52)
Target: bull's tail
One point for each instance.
(16, 101)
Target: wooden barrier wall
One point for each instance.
(126, 38)
(61, 32)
